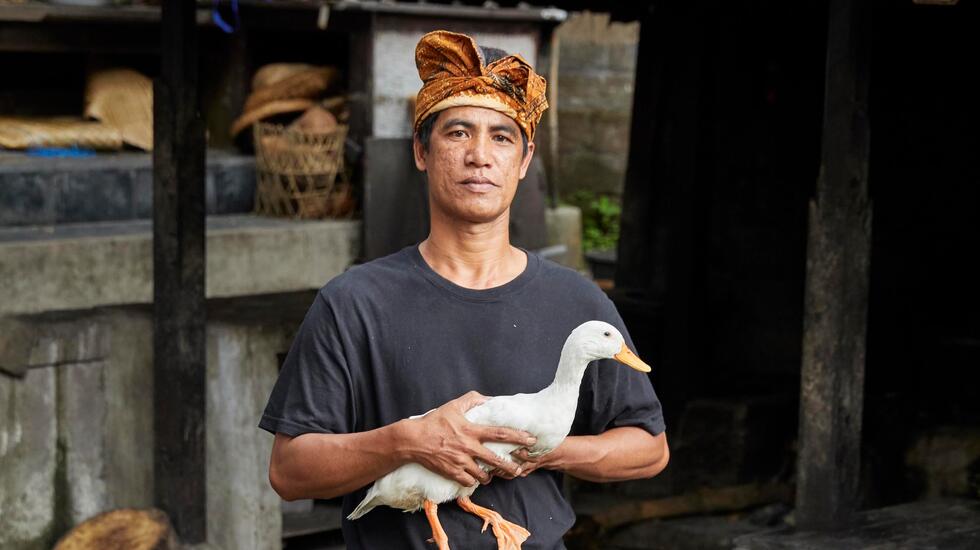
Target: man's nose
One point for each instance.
(478, 153)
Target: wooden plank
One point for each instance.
(706, 500)
(836, 296)
(396, 199)
(96, 37)
(178, 273)
(359, 83)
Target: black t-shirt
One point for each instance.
(392, 338)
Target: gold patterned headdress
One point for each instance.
(454, 74)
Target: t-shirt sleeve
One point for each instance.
(313, 393)
(614, 395)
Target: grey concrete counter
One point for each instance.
(80, 266)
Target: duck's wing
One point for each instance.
(513, 411)
(533, 413)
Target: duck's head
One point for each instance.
(600, 340)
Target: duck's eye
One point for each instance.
(607, 333)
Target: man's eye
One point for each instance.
(458, 133)
(502, 138)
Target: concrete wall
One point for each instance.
(28, 449)
(76, 368)
(243, 510)
(596, 66)
(76, 438)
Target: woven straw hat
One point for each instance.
(283, 88)
(122, 99)
(272, 108)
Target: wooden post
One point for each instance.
(178, 277)
(836, 301)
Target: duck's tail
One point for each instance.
(370, 501)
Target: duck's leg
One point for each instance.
(509, 535)
(438, 533)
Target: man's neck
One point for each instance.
(476, 256)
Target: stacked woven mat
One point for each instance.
(118, 111)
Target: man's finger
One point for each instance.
(491, 459)
(506, 435)
(522, 455)
(464, 479)
(477, 473)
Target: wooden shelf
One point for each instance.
(37, 12)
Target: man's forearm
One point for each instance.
(442, 440)
(616, 455)
(329, 465)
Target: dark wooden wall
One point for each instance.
(725, 156)
(725, 153)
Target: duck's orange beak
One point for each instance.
(628, 358)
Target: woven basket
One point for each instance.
(300, 174)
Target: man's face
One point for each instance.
(474, 163)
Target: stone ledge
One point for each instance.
(81, 266)
(109, 187)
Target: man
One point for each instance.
(462, 311)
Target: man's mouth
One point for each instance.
(479, 185)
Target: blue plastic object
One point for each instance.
(220, 22)
(73, 151)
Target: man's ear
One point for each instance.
(419, 153)
(526, 161)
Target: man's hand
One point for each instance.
(618, 454)
(446, 443)
(526, 462)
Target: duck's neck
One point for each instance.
(571, 369)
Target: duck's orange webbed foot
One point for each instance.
(509, 535)
(438, 533)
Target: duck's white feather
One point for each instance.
(547, 414)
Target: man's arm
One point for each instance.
(329, 465)
(618, 454)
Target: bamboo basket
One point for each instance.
(301, 174)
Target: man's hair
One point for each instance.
(491, 54)
(424, 133)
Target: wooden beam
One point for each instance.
(836, 300)
(701, 501)
(178, 277)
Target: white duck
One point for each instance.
(547, 415)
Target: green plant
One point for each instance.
(600, 219)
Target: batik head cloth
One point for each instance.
(454, 74)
